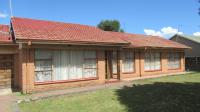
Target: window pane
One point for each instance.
(76, 65)
(114, 62)
(173, 60)
(43, 65)
(43, 54)
(43, 76)
(90, 54)
(152, 61)
(90, 64)
(89, 73)
(128, 62)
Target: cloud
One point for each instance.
(164, 32)
(152, 32)
(3, 15)
(196, 34)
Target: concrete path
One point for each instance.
(7, 103)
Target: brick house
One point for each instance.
(192, 57)
(39, 55)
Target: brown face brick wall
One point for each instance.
(139, 64)
(26, 70)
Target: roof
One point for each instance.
(139, 40)
(190, 37)
(49, 31)
(40, 30)
(4, 34)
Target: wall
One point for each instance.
(26, 69)
(26, 57)
(139, 64)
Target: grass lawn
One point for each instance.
(167, 94)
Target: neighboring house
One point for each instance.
(192, 55)
(44, 55)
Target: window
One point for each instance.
(43, 66)
(152, 61)
(128, 62)
(114, 62)
(64, 65)
(173, 60)
(90, 67)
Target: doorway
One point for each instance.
(112, 65)
(6, 72)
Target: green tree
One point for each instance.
(110, 25)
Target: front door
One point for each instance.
(6, 71)
(111, 65)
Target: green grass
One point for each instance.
(167, 94)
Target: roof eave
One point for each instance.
(153, 47)
(69, 42)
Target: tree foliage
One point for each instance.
(110, 25)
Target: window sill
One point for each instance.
(152, 70)
(128, 72)
(174, 69)
(65, 81)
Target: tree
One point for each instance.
(110, 25)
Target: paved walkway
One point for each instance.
(116, 85)
(7, 103)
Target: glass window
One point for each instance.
(43, 65)
(152, 61)
(64, 65)
(128, 62)
(90, 65)
(114, 62)
(173, 60)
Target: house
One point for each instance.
(38, 55)
(192, 56)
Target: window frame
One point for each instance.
(160, 54)
(114, 59)
(133, 60)
(70, 80)
(35, 60)
(179, 59)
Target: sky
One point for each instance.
(152, 17)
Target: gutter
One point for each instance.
(29, 42)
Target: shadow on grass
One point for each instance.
(161, 97)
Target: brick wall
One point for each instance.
(26, 70)
(139, 64)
